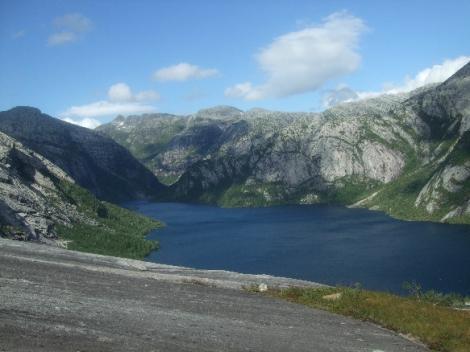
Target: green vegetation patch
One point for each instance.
(256, 195)
(398, 197)
(428, 318)
(461, 152)
(350, 189)
(117, 232)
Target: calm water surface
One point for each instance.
(323, 243)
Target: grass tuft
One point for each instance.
(422, 316)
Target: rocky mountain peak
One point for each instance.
(464, 72)
(220, 111)
(26, 110)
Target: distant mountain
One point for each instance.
(405, 154)
(170, 144)
(94, 161)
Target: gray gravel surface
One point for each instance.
(57, 300)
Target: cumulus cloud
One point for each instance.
(121, 92)
(121, 101)
(69, 28)
(61, 38)
(302, 61)
(86, 122)
(106, 108)
(243, 90)
(183, 72)
(434, 74)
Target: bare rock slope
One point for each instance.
(97, 303)
(31, 201)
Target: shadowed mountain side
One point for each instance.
(94, 161)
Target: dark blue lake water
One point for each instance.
(323, 243)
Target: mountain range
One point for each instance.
(406, 154)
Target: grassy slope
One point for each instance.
(398, 197)
(429, 319)
(119, 232)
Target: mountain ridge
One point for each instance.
(94, 161)
(392, 146)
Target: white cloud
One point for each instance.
(86, 122)
(107, 108)
(183, 72)
(243, 90)
(434, 74)
(120, 92)
(304, 60)
(121, 101)
(61, 38)
(69, 28)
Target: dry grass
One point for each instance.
(440, 327)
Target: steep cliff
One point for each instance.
(30, 197)
(95, 162)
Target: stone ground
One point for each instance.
(52, 299)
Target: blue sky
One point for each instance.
(95, 59)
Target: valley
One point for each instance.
(234, 176)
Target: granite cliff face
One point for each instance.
(31, 197)
(93, 161)
(404, 154)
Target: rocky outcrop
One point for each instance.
(40, 202)
(94, 161)
(31, 201)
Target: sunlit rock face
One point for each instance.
(31, 201)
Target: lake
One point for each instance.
(322, 243)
